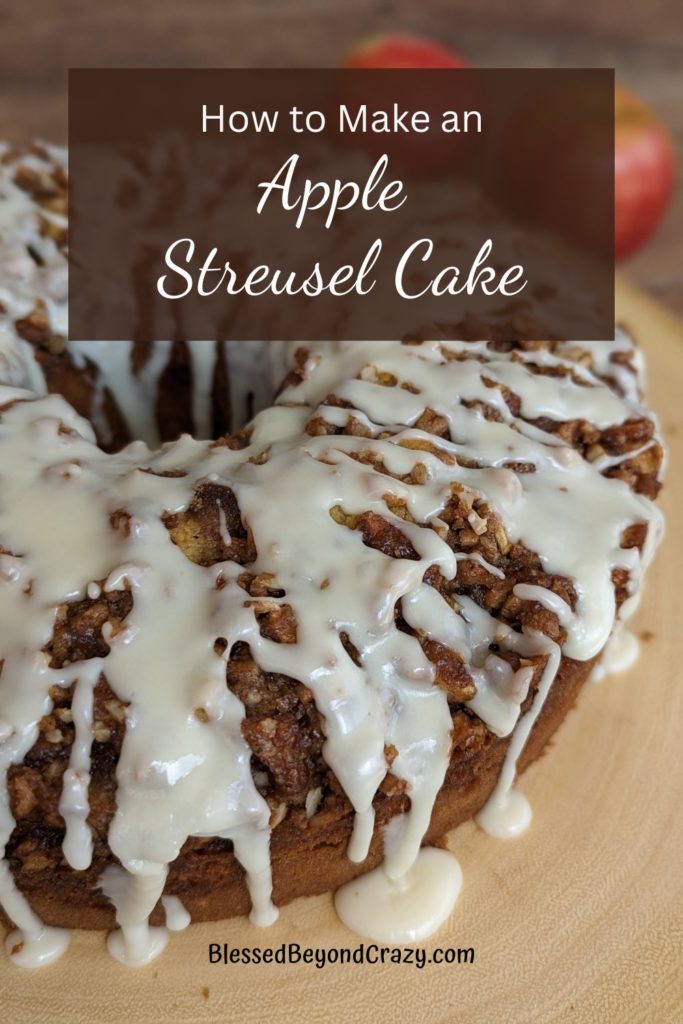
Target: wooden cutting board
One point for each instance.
(580, 920)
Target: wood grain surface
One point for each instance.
(643, 40)
(577, 922)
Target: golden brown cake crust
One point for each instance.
(211, 884)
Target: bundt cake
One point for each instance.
(244, 669)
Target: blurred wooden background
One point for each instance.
(643, 40)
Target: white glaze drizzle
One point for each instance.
(74, 806)
(31, 943)
(620, 654)
(177, 917)
(405, 910)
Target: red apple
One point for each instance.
(644, 170)
(402, 50)
(427, 154)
